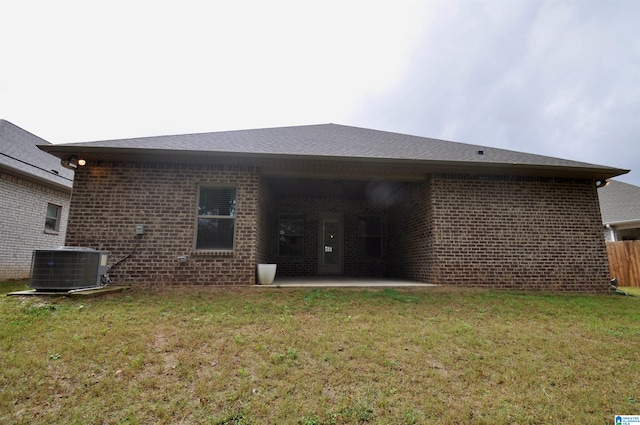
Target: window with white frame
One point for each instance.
(216, 218)
(369, 236)
(291, 236)
(52, 220)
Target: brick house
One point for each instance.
(337, 200)
(620, 207)
(35, 193)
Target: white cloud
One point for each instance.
(555, 78)
(154, 67)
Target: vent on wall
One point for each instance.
(67, 268)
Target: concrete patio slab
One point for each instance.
(343, 282)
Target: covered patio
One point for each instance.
(343, 227)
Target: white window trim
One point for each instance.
(58, 218)
(197, 217)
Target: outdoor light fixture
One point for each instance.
(73, 162)
(602, 183)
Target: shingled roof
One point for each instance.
(326, 142)
(619, 203)
(19, 155)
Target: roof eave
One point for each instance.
(16, 172)
(136, 154)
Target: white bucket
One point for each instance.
(266, 273)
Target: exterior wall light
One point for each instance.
(73, 162)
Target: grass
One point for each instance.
(321, 356)
(631, 291)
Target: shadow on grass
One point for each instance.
(392, 294)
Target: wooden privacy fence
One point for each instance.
(624, 262)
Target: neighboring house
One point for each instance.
(337, 200)
(35, 191)
(620, 208)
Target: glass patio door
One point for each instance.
(331, 244)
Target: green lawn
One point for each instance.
(308, 356)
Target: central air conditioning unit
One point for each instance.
(67, 268)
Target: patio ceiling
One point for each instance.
(378, 191)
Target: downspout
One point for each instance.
(612, 232)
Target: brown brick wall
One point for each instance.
(411, 234)
(110, 198)
(498, 231)
(509, 232)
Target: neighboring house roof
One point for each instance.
(19, 155)
(328, 142)
(619, 203)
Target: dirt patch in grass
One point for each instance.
(319, 356)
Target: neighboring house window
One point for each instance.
(216, 218)
(369, 236)
(52, 221)
(291, 236)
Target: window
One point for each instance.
(216, 218)
(52, 221)
(291, 236)
(369, 236)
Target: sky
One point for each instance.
(558, 78)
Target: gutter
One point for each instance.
(623, 223)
